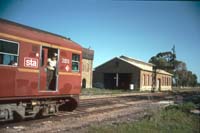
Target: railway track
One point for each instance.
(91, 109)
(85, 106)
(112, 103)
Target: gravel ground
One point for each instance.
(117, 95)
(78, 124)
(118, 112)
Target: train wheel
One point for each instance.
(16, 116)
(68, 106)
(40, 114)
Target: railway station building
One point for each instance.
(87, 65)
(127, 73)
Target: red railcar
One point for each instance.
(24, 52)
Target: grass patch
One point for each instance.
(175, 119)
(186, 107)
(98, 91)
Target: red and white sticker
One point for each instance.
(30, 62)
(67, 68)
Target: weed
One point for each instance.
(173, 119)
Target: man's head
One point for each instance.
(54, 56)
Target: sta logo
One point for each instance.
(30, 62)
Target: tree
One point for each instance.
(193, 80)
(183, 77)
(167, 61)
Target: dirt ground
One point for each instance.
(81, 119)
(63, 124)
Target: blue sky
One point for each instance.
(139, 29)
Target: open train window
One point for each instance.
(9, 52)
(75, 62)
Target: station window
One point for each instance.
(147, 80)
(163, 80)
(169, 81)
(150, 80)
(75, 62)
(144, 80)
(9, 52)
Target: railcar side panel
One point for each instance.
(26, 83)
(24, 79)
(69, 87)
(7, 81)
(24, 88)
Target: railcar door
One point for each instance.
(48, 69)
(43, 65)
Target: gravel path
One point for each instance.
(134, 111)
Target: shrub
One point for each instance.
(185, 107)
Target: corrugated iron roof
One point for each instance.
(163, 72)
(139, 64)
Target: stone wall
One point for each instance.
(146, 80)
(87, 73)
(87, 68)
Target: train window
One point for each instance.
(8, 52)
(75, 62)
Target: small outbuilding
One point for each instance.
(128, 73)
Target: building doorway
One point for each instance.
(158, 84)
(124, 80)
(109, 80)
(117, 80)
(84, 83)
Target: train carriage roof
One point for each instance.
(10, 27)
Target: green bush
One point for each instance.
(185, 107)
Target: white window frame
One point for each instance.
(17, 55)
(78, 62)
